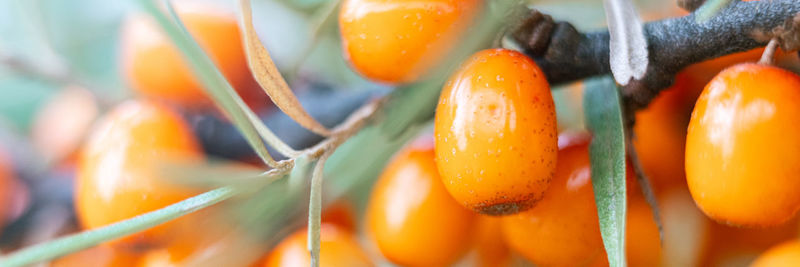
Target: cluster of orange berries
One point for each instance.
(495, 178)
(496, 153)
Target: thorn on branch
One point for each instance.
(768, 57)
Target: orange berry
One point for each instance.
(736, 137)
(489, 247)
(412, 218)
(159, 258)
(496, 133)
(735, 246)
(786, 254)
(563, 229)
(699, 74)
(341, 214)
(99, 256)
(396, 41)
(337, 248)
(155, 68)
(642, 239)
(119, 172)
(660, 136)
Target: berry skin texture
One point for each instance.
(496, 133)
(740, 166)
(155, 68)
(338, 247)
(412, 218)
(119, 172)
(396, 41)
(783, 255)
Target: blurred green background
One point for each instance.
(79, 40)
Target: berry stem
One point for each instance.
(315, 210)
(768, 57)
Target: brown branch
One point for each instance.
(788, 34)
(672, 43)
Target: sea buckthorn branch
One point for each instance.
(323, 151)
(672, 43)
(788, 35)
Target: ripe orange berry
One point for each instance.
(396, 41)
(784, 255)
(159, 258)
(660, 136)
(496, 133)
(489, 247)
(699, 74)
(736, 138)
(119, 172)
(642, 239)
(337, 248)
(735, 246)
(563, 229)
(99, 256)
(341, 214)
(155, 68)
(412, 218)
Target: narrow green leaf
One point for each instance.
(214, 82)
(628, 44)
(607, 152)
(709, 9)
(219, 173)
(76, 242)
(267, 75)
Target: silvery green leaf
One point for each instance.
(628, 45)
